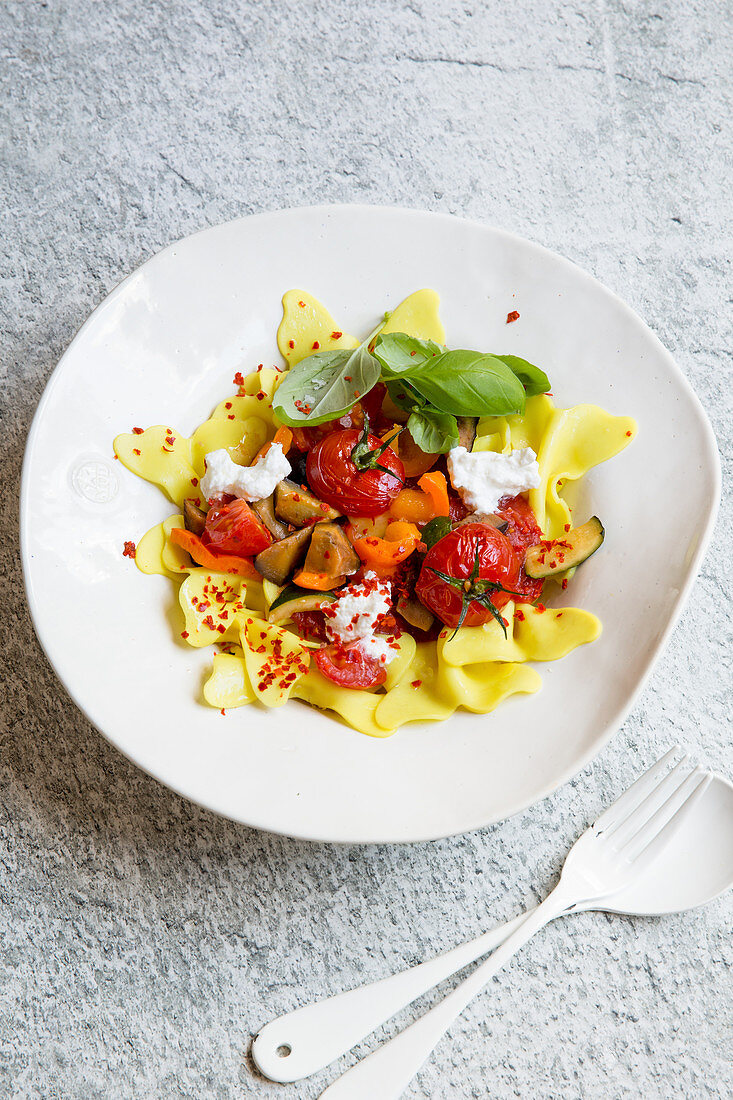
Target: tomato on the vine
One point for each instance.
(522, 531)
(468, 575)
(355, 472)
(350, 667)
(234, 528)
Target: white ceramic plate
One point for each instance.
(164, 347)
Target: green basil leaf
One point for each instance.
(398, 352)
(325, 386)
(434, 531)
(467, 383)
(404, 396)
(532, 378)
(434, 432)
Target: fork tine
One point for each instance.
(629, 825)
(635, 794)
(655, 834)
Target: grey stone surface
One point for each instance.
(143, 941)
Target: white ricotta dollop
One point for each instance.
(483, 477)
(354, 614)
(247, 482)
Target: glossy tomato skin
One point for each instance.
(234, 528)
(522, 531)
(334, 478)
(311, 624)
(455, 554)
(350, 667)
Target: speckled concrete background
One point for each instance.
(144, 941)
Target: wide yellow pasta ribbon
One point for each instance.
(567, 442)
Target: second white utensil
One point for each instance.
(608, 856)
(301, 1042)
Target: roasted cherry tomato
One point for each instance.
(350, 667)
(465, 573)
(355, 472)
(311, 624)
(522, 531)
(234, 529)
(305, 439)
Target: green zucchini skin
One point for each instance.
(553, 556)
(292, 599)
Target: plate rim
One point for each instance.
(620, 714)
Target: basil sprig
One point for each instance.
(399, 353)
(533, 379)
(325, 385)
(433, 384)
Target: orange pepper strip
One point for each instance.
(321, 582)
(218, 563)
(393, 437)
(399, 531)
(382, 555)
(413, 506)
(283, 436)
(435, 485)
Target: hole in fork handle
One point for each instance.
(284, 1050)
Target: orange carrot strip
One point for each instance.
(321, 582)
(435, 485)
(283, 436)
(219, 563)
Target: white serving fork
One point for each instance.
(605, 859)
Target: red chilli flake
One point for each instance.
(629, 434)
(336, 335)
(230, 416)
(129, 551)
(566, 528)
(316, 345)
(228, 405)
(416, 683)
(302, 305)
(194, 481)
(565, 583)
(541, 608)
(137, 431)
(291, 344)
(184, 633)
(223, 712)
(135, 451)
(513, 316)
(238, 379)
(519, 614)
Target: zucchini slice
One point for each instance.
(293, 599)
(553, 556)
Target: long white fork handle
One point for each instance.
(387, 1072)
(308, 1039)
